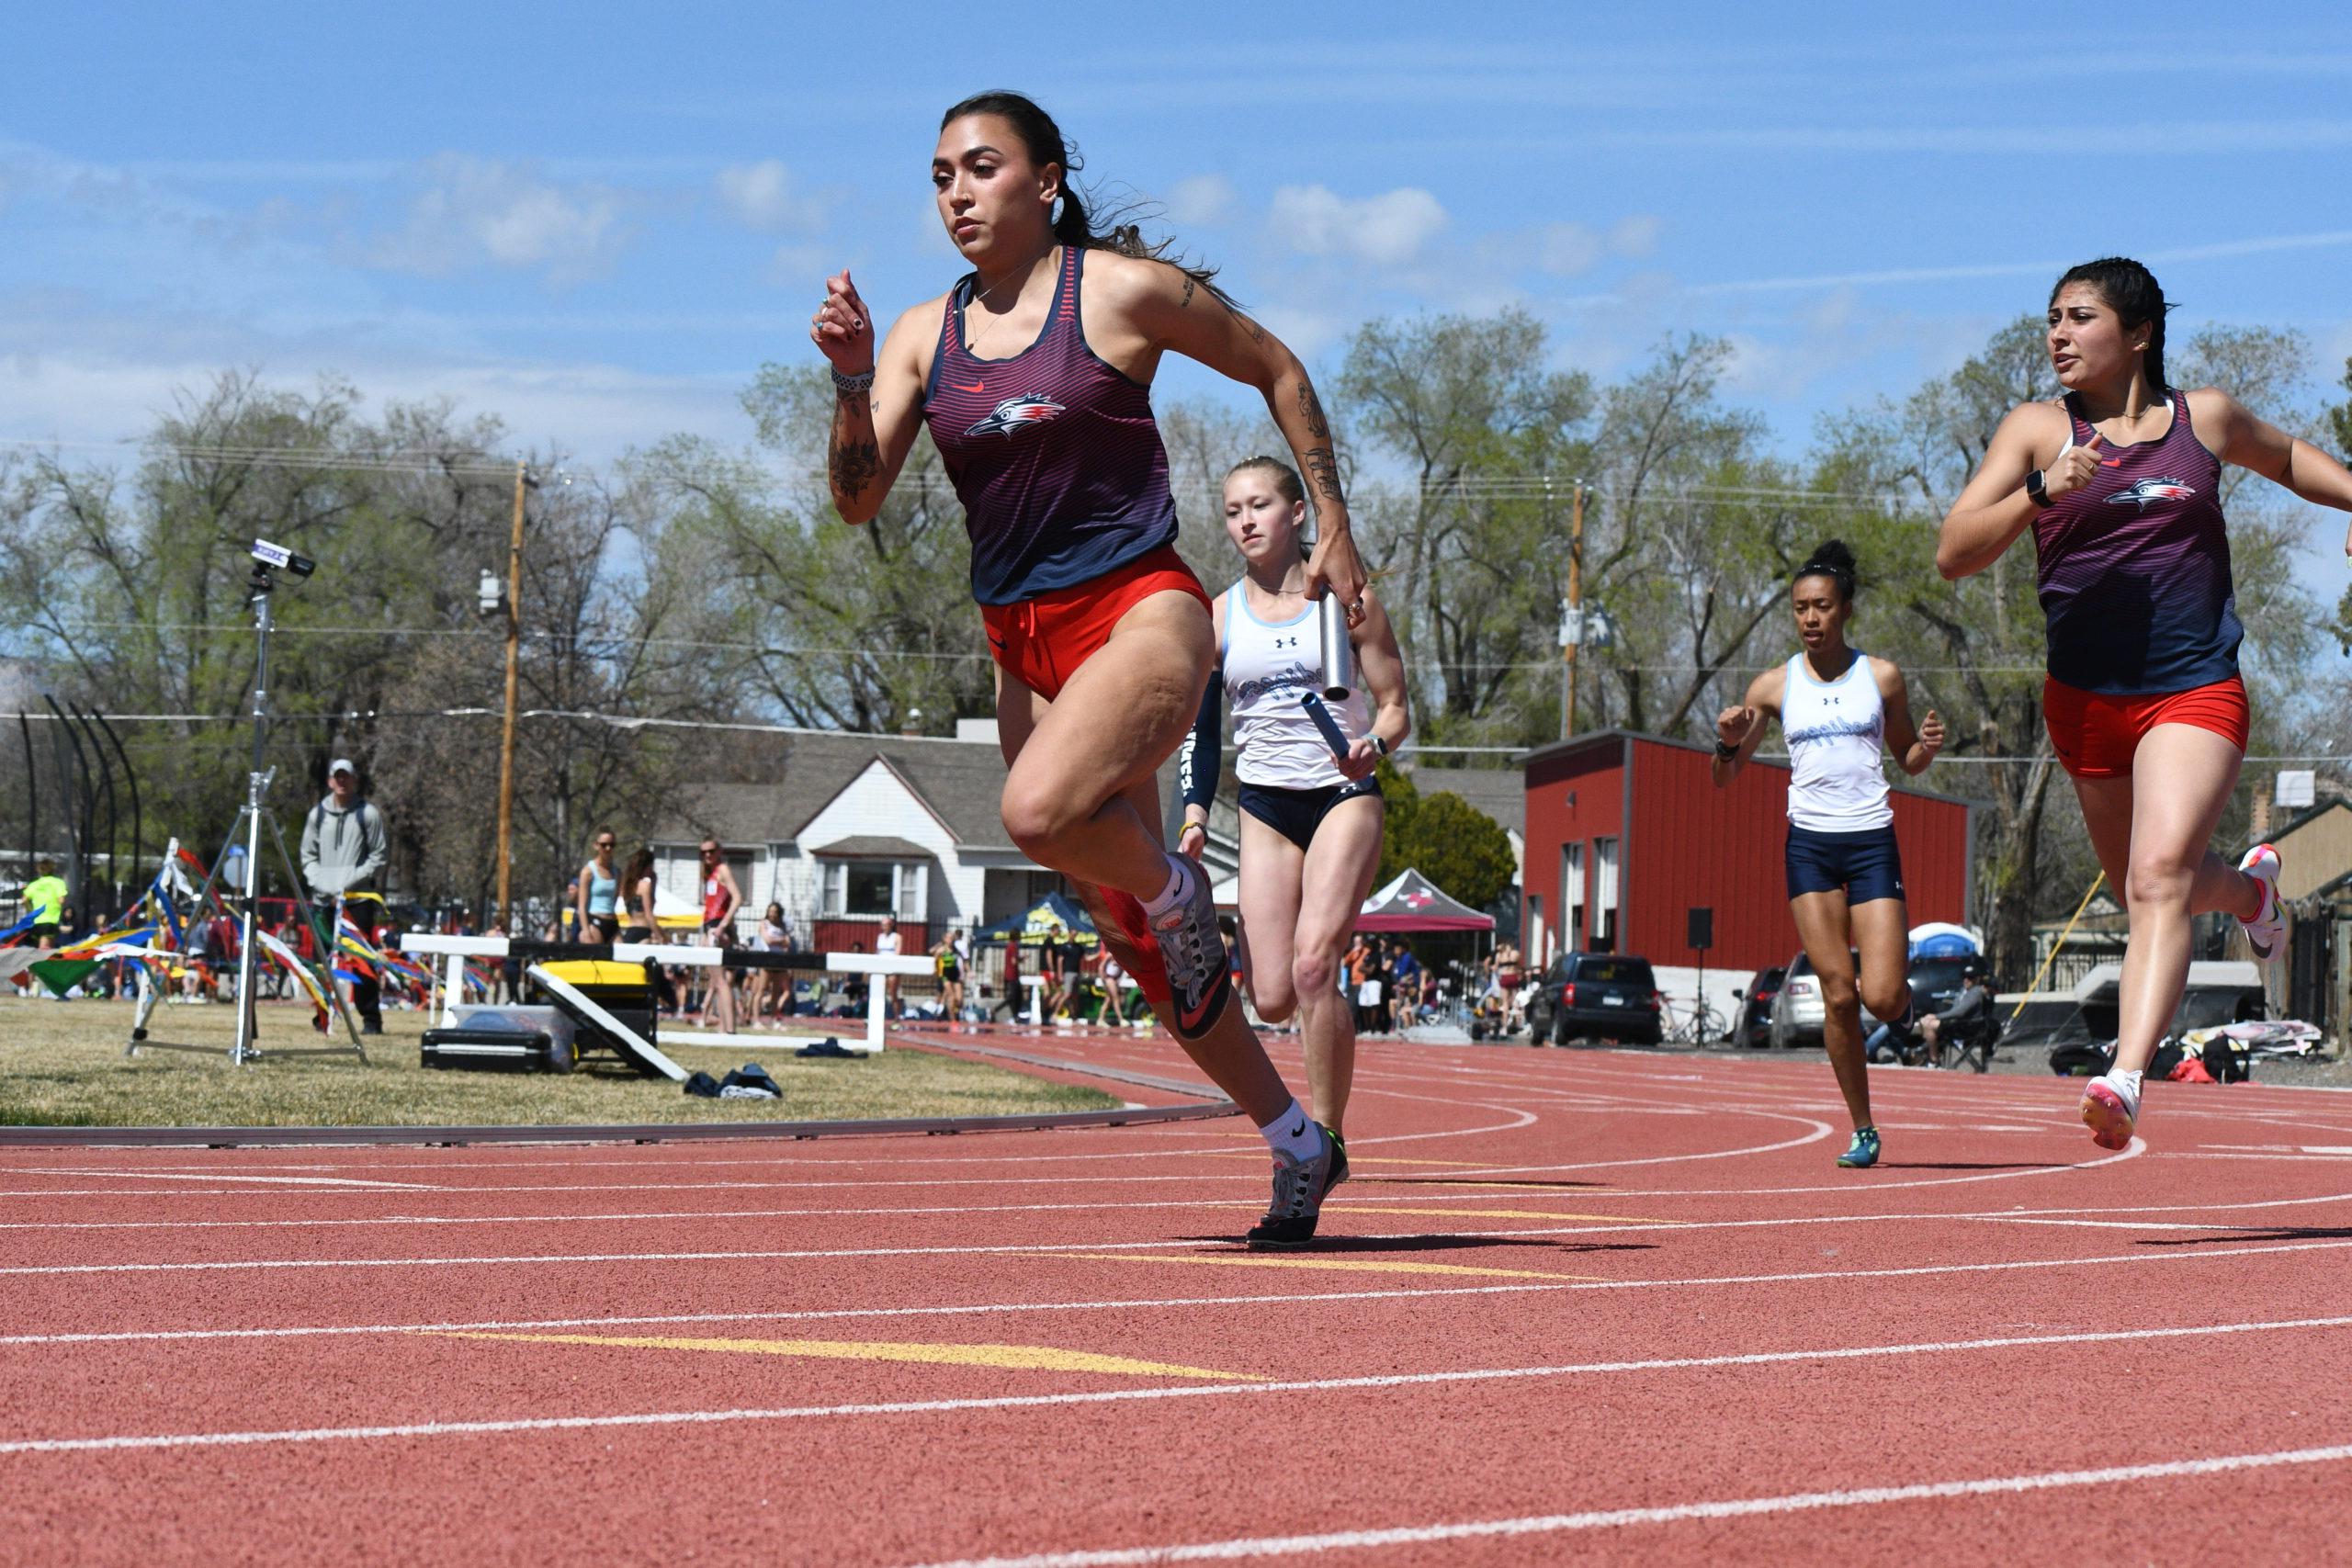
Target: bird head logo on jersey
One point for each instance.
(1014, 412)
(2142, 491)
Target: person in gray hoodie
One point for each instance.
(344, 843)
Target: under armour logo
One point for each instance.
(1285, 642)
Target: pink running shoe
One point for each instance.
(2110, 1111)
(2266, 933)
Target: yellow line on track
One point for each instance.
(1513, 1214)
(1343, 1265)
(1026, 1358)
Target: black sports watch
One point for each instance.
(1726, 752)
(1378, 744)
(2037, 486)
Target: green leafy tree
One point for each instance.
(1458, 847)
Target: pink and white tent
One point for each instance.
(1413, 903)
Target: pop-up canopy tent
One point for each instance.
(1039, 923)
(1941, 939)
(1413, 903)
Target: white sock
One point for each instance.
(2129, 1083)
(1292, 1133)
(1174, 894)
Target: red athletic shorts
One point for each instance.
(2097, 734)
(1044, 640)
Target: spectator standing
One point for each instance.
(888, 941)
(596, 892)
(1405, 983)
(343, 845)
(720, 898)
(45, 901)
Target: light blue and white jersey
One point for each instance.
(1836, 735)
(1268, 667)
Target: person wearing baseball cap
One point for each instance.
(343, 844)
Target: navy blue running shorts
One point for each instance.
(1866, 864)
(1296, 813)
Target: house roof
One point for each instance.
(872, 846)
(1499, 793)
(768, 788)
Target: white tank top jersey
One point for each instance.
(1836, 734)
(1267, 669)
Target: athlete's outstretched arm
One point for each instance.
(2260, 446)
(1913, 750)
(1382, 667)
(874, 427)
(1995, 507)
(1742, 728)
(1173, 311)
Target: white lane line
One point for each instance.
(2070, 1214)
(1024, 1402)
(1245, 1547)
(1816, 1276)
(305, 1181)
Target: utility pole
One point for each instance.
(507, 744)
(1576, 623)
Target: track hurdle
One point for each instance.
(450, 981)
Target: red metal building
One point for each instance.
(1626, 833)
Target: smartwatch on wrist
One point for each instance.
(2037, 486)
(1723, 752)
(1378, 744)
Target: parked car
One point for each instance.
(1596, 996)
(1753, 1026)
(1797, 1011)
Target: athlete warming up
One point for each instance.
(1033, 375)
(1310, 820)
(2120, 480)
(1838, 707)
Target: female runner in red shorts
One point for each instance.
(1033, 375)
(2120, 481)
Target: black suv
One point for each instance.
(1595, 996)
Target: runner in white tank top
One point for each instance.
(1838, 707)
(1310, 822)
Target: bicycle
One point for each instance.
(1700, 1026)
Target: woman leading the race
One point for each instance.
(2120, 480)
(1033, 373)
(1310, 820)
(1838, 707)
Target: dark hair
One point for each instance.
(2131, 291)
(1073, 225)
(640, 867)
(1830, 559)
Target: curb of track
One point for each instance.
(663, 1132)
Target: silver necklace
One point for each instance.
(981, 297)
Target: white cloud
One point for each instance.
(1566, 250)
(1635, 237)
(471, 211)
(1388, 229)
(1202, 199)
(764, 197)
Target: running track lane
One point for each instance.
(1584, 1302)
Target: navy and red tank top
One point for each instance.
(2133, 569)
(1053, 454)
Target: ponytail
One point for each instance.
(1073, 225)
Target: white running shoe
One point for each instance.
(2266, 933)
(2111, 1108)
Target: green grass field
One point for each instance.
(61, 1065)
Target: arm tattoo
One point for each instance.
(1257, 333)
(1191, 283)
(855, 464)
(1323, 468)
(1310, 407)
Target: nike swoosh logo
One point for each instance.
(1299, 1131)
(975, 386)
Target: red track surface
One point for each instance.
(1685, 1335)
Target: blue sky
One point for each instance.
(598, 220)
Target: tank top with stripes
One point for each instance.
(1055, 454)
(2133, 569)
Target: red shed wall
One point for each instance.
(1693, 844)
(1571, 798)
